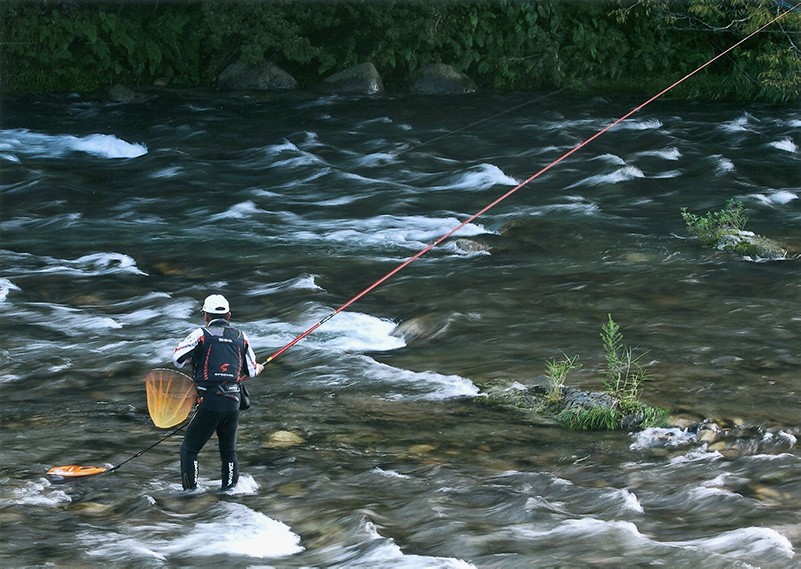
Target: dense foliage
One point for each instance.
(585, 46)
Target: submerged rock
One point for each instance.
(91, 508)
(422, 449)
(284, 439)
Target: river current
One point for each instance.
(118, 219)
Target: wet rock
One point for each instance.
(442, 79)
(265, 76)
(471, 245)
(588, 399)
(357, 439)
(292, 490)
(422, 449)
(284, 439)
(8, 516)
(422, 327)
(637, 258)
(683, 421)
(170, 269)
(766, 494)
(362, 79)
(750, 245)
(708, 433)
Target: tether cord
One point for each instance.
(154, 445)
(519, 186)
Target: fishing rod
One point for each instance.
(518, 187)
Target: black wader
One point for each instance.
(219, 361)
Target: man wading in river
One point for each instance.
(221, 357)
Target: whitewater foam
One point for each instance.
(94, 264)
(779, 197)
(787, 145)
(619, 175)
(6, 286)
(386, 553)
(612, 159)
(481, 177)
(647, 124)
(743, 541)
(672, 153)
(303, 282)
(723, 165)
(238, 530)
(34, 493)
(242, 210)
(427, 385)
(408, 232)
(357, 332)
(25, 142)
(661, 437)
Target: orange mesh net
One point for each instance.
(75, 471)
(170, 396)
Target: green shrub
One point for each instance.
(624, 375)
(623, 380)
(556, 372)
(714, 225)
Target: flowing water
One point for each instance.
(117, 220)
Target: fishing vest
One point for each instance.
(219, 357)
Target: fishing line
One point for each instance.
(495, 116)
(518, 187)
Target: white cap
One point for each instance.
(216, 304)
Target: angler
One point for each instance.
(221, 357)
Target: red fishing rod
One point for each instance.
(518, 187)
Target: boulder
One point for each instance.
(362, 79)
(422, 327)
(471, 245)
(265, 76)
(122, 94)
(708, 433)
(751, 245)
(442, 79)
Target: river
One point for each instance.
(118, 219)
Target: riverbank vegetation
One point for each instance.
(584, 47)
